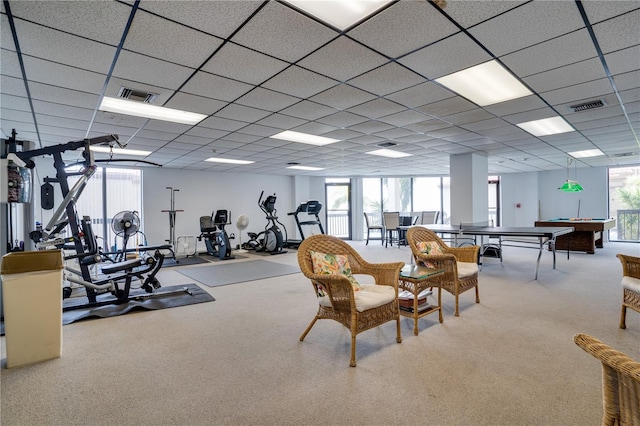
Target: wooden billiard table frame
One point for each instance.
(587, 234)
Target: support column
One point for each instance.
(469, 188)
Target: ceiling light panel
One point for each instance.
(306, 168)
(138, 109)
(586, 153)
(228, 160)
(389, 153)
(340, 14)
(116, 151)
(292, 136)
(485, 84)
(546, 126)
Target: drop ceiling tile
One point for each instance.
(553, 20)
(163, 39)
(267, 100)
(281, 121)
(400, 29)
(394, 133)
(370, 127)
(600, 11)
(47, 72)
(194, 140)
(275, 23)
(609, 36)
(527, 103)
(421, 94)
(205, 133)
(447, 107)
(218, 18)
(216, 87)
(555, 53)
(387, 79)
(427, 126)
(480, 11)
(239, 63)
(41, 42)
(619, 62)
(242, 113)
(342, 119)
(579, 72)
(469, 116)
(258, 130)
(342, 97)
(376, 108)
(220, 123)
(576, 94)
(308, 110)
(445, 57)
(404, 117)
(297, 81)
(314, 128)
(193, 103)
(166, 126)
(59, 110)
(335, 60)
(342, 134)
(148, 70)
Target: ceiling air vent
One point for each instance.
(136, 95)
(387, 144)
(624, 154)
(598, 103)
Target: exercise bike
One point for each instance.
(215, 236)
(271, 240)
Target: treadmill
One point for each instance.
(312, 208)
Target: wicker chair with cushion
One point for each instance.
(460, 263)
(630, 286)
(620, 382)
(330, 264)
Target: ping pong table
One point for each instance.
(546, 235)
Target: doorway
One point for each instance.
(338, 196)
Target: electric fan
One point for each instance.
(186, 245)
(125, 224)
(242, 223)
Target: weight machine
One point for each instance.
(82, 240)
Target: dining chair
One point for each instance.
(374, 222)
(392, 224)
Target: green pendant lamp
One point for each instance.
(571, 185)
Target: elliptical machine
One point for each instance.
(215, 236)
(271, 239)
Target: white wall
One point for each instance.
(522, 189)
(201, 193)
(593, 200)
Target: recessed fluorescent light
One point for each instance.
(308, 168)
(586, 153)
(138, 109)
(339, 13)
(485, 84)
(109, 150)
(546, 126)
(228, 160)
(389, 153)
(292, 136)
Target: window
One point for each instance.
(624, 203)
(108, 192)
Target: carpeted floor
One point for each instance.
(237, 272)
(509, 360)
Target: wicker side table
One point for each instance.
(415, 279)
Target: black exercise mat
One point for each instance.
(159, 301)
(237, 272)
(183, 261)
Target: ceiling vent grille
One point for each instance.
(624, 154)
(387, 144)
(598, 103)
(136, 95)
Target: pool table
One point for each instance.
(587, 235)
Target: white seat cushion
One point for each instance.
(467, 269)
(631, 283)
(368, 297)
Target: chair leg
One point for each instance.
(399, 333)
(623, 317)
(352, 363)
(477, 294)
(308, 328)
(457, 313)
(367, 238)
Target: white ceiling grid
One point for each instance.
(259, 68)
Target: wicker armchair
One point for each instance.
(460, 263)
(630, 286)
(620, 382)
(340, 302)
